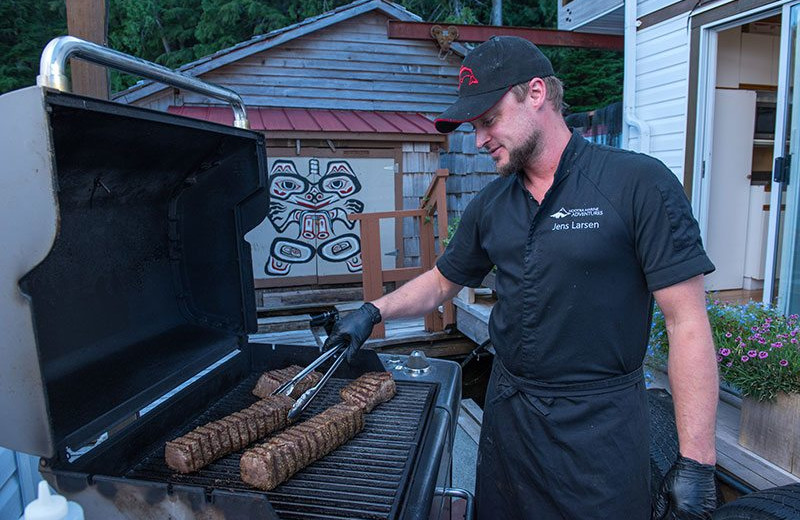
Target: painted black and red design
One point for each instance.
(314, 204)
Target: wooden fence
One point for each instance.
(434, 202)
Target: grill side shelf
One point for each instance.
(365, 478)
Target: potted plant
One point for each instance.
(758, 352)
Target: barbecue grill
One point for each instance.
(126, 295)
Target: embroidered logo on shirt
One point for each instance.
(578, 212)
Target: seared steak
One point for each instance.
(266, 465)
(369, 390)
(207, 443)
(272, 379)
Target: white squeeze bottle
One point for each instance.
(51, 507)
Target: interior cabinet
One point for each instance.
(759, 59)
(747, 59)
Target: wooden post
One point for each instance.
(433, 321)
(440, 196)
(88, 20)
(371, 268)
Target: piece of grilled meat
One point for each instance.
(369, 390)
(213, 440)
(266, 465)
(272, 379)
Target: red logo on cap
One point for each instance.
(464, 74)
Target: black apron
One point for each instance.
(577, 451)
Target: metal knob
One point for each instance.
(417, 364)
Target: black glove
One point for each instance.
(354, 329)
(687, 493)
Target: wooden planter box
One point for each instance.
(771, 429)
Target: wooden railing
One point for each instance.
(374, 276)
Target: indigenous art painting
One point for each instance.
(310, 206)
(307, 231)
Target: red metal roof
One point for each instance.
(316, 120)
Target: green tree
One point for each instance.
(25, 28)
(162, 31)
(530, 13)
(592, 78)
(224, 23)
(175, 32)
(156, 30)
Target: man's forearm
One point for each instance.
(695, 389)
(692, 367)
(417, 297)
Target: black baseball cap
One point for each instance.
(488, 72)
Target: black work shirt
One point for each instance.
(575, 275)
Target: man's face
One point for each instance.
(510, 135)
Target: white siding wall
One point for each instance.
(589, 15)
(646, 7)
(350, 65)
(662, 72)
(577, 13)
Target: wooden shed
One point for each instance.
(347, 112)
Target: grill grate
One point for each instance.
(364, 478)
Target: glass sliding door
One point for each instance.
(783, 259)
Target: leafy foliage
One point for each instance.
(758, 349)
(25, 28)
(175, 32)
(595, 84)
(451, 230)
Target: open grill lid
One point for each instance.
(128, 271)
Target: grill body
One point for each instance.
(387, 471)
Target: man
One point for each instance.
(583, 237)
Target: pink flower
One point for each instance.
(729, 363)
(742, 345)
(725, 351)
(752, 353)
(719, 359)
(763, 354)
(745, 359)
(794, 340)
(728, 335)
(783, 363)
(777, 344)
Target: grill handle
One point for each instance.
(52, 72)
(459, 493)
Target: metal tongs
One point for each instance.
(337, 352)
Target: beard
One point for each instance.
(518, 157)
